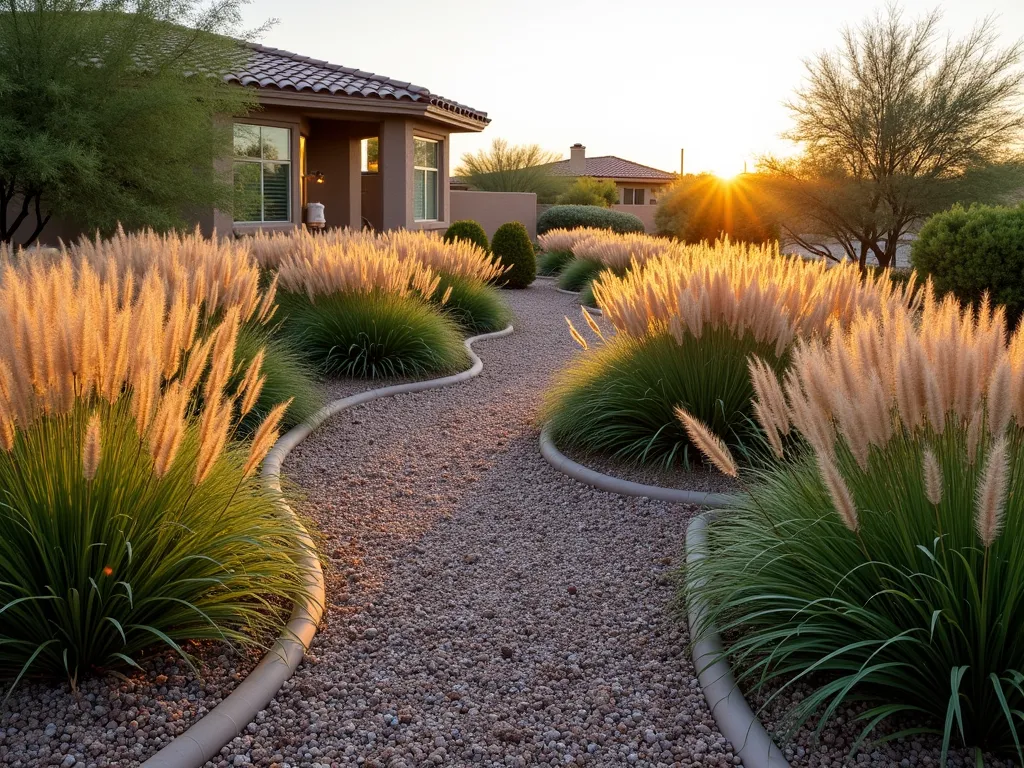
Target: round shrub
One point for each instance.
(511, 244)
(289, 376)
(968, 251)
(578, 273)
(95, 572)
(552, 263)
(467, 229)
(619, 398)
(371, 335)
(576, 216)
(476, 306)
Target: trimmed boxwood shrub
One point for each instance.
(968, 251)
(576, 216)
(512, 246)
(467, 229)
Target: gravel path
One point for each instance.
(484, 608)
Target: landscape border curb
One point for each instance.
(205, 738)
(613, 484)
(735, 719)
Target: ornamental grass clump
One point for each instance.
(360, 310)
(879, 559)
(599, 251)
(556, 248)
(685, 325)
(130, 517)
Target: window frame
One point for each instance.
(261, 162)
(632, 192)
(436, 170)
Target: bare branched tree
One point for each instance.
(505, 167)
(895, 124)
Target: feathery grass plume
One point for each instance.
(565, 239)
(222, 358)
(265, 437)
(618, 252)
(91, 448)
(168, 429)
(456, 257)
(216, 274)
(839, 492)
(213, 435)
(932, 476)
(974, 430)
(991, 501)
(768, 395)
(998, 398)
(251, 385)
(576, 335)
(708, 443)
(592, 323)
(744, 287)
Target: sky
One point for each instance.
(640, 79)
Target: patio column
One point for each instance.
(332, 150)
(396, 161)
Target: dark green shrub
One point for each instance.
(968, 251)
(289, 375)
(512, 245)
(587, 295)
(576, 216)
(474, 305)
(619, 398)
(578, 273)
(371, 335)
(552, 262)
(590, 191)
(467, 229)
(94, 573)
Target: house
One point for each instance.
(374, 151)
(637, 184)
(313, 140)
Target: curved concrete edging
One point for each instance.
(735, 719)
(613, 484)
(204, 740)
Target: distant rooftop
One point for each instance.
(612, 167)
(284, 70)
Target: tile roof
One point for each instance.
(284, 70)
(612, 167)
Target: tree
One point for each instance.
(505, 167)
(894, 126)
(111, 111)
(705, 207)
(589, 191)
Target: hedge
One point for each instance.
(576, 216)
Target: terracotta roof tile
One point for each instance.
(612, 167)
(284, 70)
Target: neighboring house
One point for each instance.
(637, 184)
(309, 144)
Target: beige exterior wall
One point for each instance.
(643, 212)
(492, 209)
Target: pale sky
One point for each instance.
(635, 78)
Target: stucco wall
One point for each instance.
(492, 209)
(643, 212)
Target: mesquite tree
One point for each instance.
(894, 125)
(109, 111)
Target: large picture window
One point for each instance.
(263, 174)
(632, 196)
(424, 179)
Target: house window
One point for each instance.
(370, 151)
(424, 179)
(263, 174)
(632, 196)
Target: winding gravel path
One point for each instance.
(483, 608)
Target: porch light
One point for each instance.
(317, 177)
